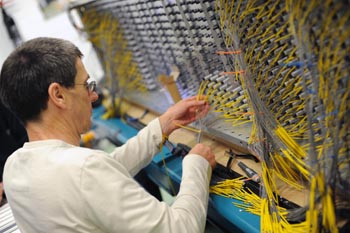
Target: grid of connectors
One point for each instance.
(161, 34)
(280, 67)
(140, 40)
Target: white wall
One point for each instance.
(31, 23)
(6, 45)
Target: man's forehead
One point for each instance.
(82, 74)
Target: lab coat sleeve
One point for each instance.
(114, 202)
(138, 151)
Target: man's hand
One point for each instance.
(182, 113)
(205, 152)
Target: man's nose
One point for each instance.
(93, 96)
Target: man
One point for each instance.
(53, 185)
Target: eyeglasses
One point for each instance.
(90, 86)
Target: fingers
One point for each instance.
(183, 113)
(206, 152)
(195, 100)
(196, 97)
(194, 105)
(189, 110)
(202, 111)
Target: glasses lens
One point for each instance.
(92, 86)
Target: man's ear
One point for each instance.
(57, 95)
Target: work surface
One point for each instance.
(221, 211)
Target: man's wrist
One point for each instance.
(165, 124)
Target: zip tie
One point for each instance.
(228, 52)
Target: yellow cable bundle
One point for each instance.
(107, 36)
(251, 201)
(233, 188)
(297, 150)
(265, 221)
(232, 111)
(328, 213)
(285, 172)
(269, 221)
(312, 213)
(227, 188)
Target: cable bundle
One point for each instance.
(295, 57)
(107, 37)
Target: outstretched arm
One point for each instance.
(139, 150)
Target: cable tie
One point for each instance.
(310, 91)
(297, 64)
(228, 52)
